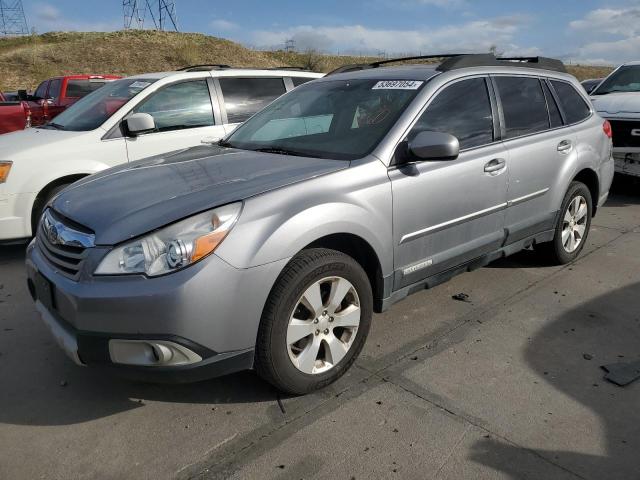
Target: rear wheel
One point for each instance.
(573, 225)
(315, 322)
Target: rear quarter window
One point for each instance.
(574, 107)
(297, 81)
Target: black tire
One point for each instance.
(40, 204)
(272, 360)
(555, 251)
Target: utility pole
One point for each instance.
(12, 18)
(162, 12)
(290, 45)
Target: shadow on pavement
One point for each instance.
(608, 330)
(625, 191)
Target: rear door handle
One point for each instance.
(495, 165)
(565, 146)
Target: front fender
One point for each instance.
(279, 224)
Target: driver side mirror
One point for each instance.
(23, 96)
(139, 123)
(434, 146)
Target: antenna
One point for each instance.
(162, 12)
(12, 18)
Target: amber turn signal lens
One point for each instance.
(4, 171)
(206, 244)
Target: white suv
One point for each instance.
(127, 120)
(617, 99)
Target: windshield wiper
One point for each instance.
(224, 143)
(55, 125)
(284, 151)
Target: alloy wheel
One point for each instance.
(574, 224)
(323, 325)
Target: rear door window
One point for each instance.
(463, 110)
(180, 106)
(523, 104)
(245, 96)
(573, 105)
(41, 91)
(54, 89)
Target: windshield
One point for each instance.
(342, 119)
(97, 107)
(625, 79)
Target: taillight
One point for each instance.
(606, 127)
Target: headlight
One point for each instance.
(5, 167)
(173, 247)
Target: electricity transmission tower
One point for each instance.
(12, 18)
(162, 12)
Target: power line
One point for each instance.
(13, 21)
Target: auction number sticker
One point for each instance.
(398, 85)
(139, 85)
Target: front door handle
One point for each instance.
(565, 146)
(495, 165)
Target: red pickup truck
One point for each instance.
(14, 115)
(50, 98)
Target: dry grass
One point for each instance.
(25, 61)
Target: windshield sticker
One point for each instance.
(397, 85)
(139, 85)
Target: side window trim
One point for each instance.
(116, 131)
(426, 105)
(223, 108)
(215, 101)
(158, 90)
(553, 92)
(288, 83)
(499, 118)
(554, 99)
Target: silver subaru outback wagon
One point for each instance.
(273, 249)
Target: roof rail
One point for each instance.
(301, 69)
(455, 61)
(366, 66)
(489, 60)
(204, 67)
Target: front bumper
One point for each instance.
(211, 308)
(15, 216)
(627, 161)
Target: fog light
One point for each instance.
(151, 353)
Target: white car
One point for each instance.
(127, 120)
(617, 99)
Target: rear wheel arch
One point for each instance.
(45, 194)
(590, 178)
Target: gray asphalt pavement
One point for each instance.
(507, 385)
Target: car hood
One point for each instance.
(127, 201)
(617, 102)
(33, 143)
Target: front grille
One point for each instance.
(66, 259)
(622, 136)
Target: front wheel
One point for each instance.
(573, 226)
(315, 322)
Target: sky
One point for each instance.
(586, 31)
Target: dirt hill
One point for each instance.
(25, 61)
